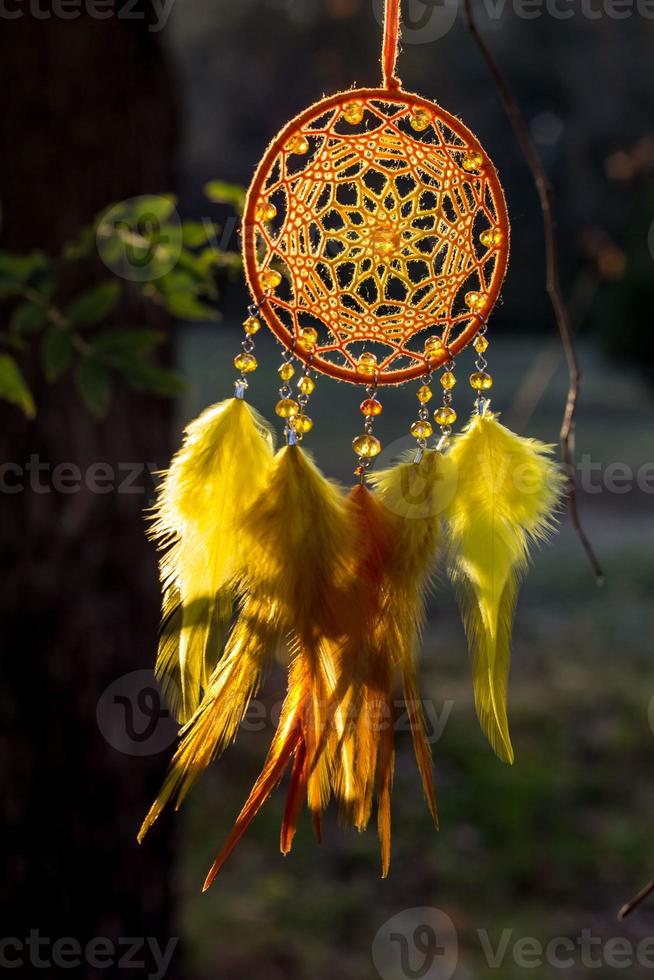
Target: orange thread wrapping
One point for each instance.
(389, 227)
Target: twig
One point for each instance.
(636, 900)
(552, 280)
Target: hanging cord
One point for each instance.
(391, 44)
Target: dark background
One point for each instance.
(95, 111)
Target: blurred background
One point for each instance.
(109, 102)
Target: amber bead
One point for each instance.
(370, 406)
(308, 338)
(475, 300)
(472, 161)
(287, 408)
(490, 237)
(302, 424)
(420, 120)
(353, 112)
(366, 446)
(424, 394)
(421, 429)
(480, 344)
(445, 415)
(367, 363)
(265, 211)
(245, 362)
(297, 144)
(306, 385)
(286, 371)
(252, 325)
(271, 278)
(433, 346)
(481, 381)
(448, 380)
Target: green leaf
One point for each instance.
(148, 376)
(222, 193)
(186, 306)
(56, 352)
(93, 305)
(20, 268)
(93, 383)
(135, 210)
(197, 233)
(123, 341)
(13, 387)
(28, 318)
(82, 247)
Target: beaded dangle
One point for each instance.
(375, 243)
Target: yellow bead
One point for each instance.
(286, 371)
(384, 247)
(371, 407)
(490, 237)
(306, 384)
(367, 363)
(480, 344)
(445, 415)
(448, 380)
(472, 161)
(308, 338)
(297, 144)
(421, 429)
(433, 346)
(424, 394)
(420, 120)
(245, 362)
(302, 424)
(366, 446)
(475, 300)
(481, 381)
(252, 325)
(287, 408)
(353, 112)
(271, 278)
(265, 211)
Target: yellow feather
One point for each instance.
(508, 489)
(211, 482)
(295, 540)
(417, 494)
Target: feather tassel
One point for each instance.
(211, 482)
(397, 544)
(297, 537)
(508, 490)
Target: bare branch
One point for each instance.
(552, 281)
(636, 901)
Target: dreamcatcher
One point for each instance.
(375, 241)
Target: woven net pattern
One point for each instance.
(386, 230)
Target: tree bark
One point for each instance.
(89, 118)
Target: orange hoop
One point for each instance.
(376, 219)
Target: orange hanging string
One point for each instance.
(391, 42)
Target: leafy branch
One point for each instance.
(149, 254)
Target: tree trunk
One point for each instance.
(88, 119)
